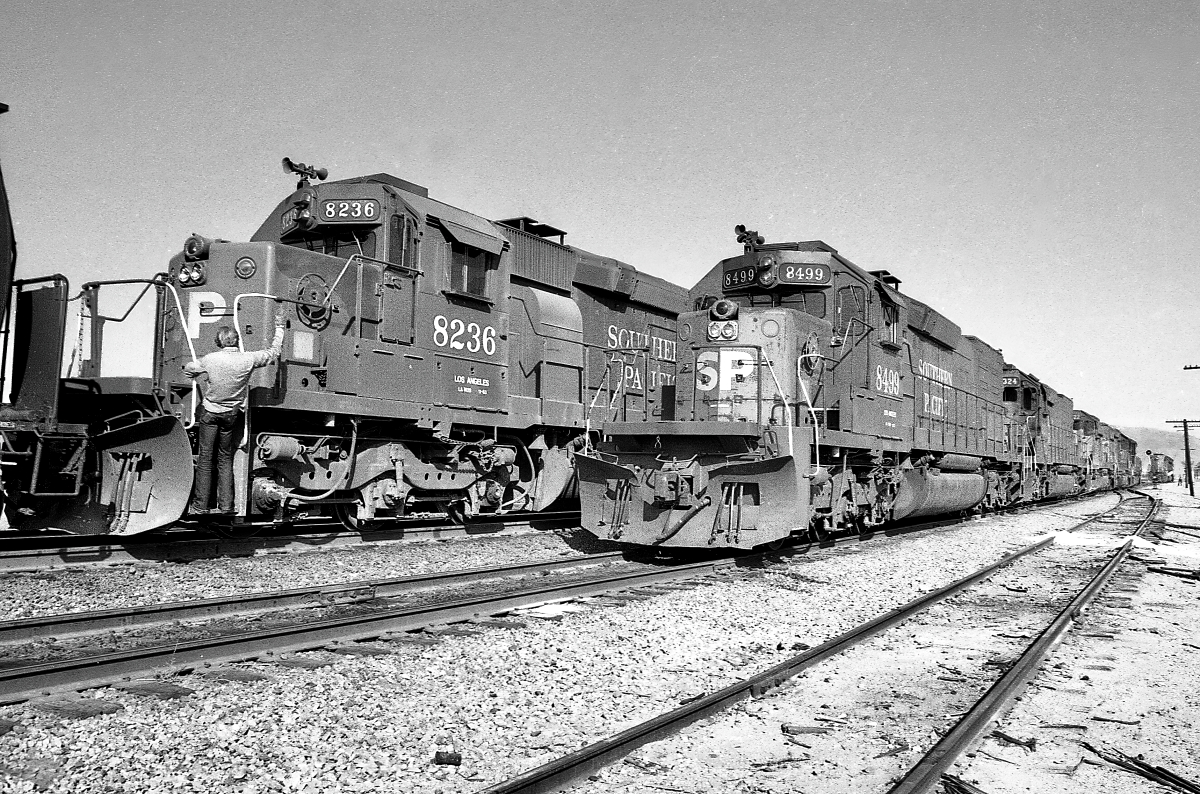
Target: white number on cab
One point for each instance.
(457, 335)
(887, 381)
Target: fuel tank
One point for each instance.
(1062, 485)
(929, 492)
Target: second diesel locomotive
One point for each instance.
(813, 397)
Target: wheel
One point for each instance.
(456, 513)
(347, 514)
(227, 528)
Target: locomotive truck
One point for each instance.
(434, 362)
(813, 397)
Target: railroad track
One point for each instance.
(38, 552)
(42, 552)
(77, 624)
(22, 683)
(571, 768)
(927, 773)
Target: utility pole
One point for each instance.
(1187, 447)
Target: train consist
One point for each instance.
(434, 362)
(1160, 468)
(813, 397)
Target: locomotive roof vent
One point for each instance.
(886, 278)
(537, 229)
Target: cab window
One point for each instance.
(468, 269)
(891, 323)
(402, 245)
(343, 244)
(852, 302)
(808, 302)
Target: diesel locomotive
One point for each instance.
(1160, 468)
(813, 397)
(434, 362)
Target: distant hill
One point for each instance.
(1166, 441)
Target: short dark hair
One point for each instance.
(226, 337)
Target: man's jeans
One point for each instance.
(217, 435)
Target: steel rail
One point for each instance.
(23, 683)
(17, 684)
(570, 768)
(562, 772)
(34, 553)
(80, 623)
(927, 773)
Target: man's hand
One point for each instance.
(280, 321)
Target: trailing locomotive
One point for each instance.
(1160, 468)
(813, 398)
(434, 361)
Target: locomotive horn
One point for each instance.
(306, 172)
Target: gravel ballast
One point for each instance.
(91, 588)
(507, 700)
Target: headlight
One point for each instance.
(714, 330)
(185, 275)
(197, 274)
(245, 267)
(729, 330)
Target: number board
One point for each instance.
(739, 276)
(348, 211)
(287, 221)
(794, 273)
(1012, 381)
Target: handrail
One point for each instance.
(183, 324)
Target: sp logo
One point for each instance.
(204, 307)
(723, 368)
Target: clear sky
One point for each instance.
(1028, 168)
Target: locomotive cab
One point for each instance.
(356, 412)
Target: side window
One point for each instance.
(852, 302)
(1027, 402)
(396, 240)
(469, 269)
(411, 260)
(402, 242)
(891, 323)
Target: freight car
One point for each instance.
(434, 362)
(813, 397)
